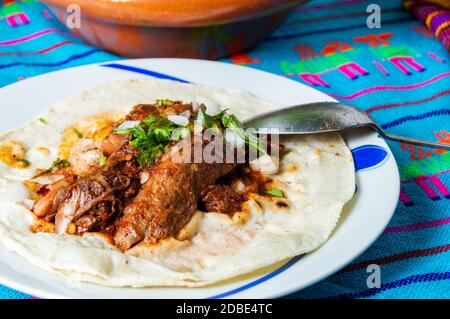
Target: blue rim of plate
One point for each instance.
(366, 157)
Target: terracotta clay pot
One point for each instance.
(207, 29)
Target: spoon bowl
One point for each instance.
(325, 117)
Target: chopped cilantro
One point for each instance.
(231, 122)
(43, 121)
(190, 127)
(153, 135)
(152, 138)
(25, 162)
(79, 134)
(56, 163)
(102, 160)
(275, 192)
(211, 121)
(149, 119)
(162, 134)
(163, 102)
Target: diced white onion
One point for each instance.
(196, 106)
(28, 203)
(212, 108)
(127, 124)
(47, 179)
(186, 114)
(144, 176)
(198, 129)
(178, 119)
(201, 118)
(233, 139)
(265, 164)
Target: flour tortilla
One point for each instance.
(316, 175)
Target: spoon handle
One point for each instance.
(414, 141)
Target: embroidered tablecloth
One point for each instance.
(399, 73)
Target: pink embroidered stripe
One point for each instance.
(418, 226)
(402, 256)
(42, 51)
(31, 37)
(393, 105)
(425, 176)
(390, 87)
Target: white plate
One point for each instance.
(363, 219)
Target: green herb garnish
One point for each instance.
(150, 119)
(56, 164)
(208, 120)
(275, 192)
(212, 121)
(152, 138)
(231, 122)
(79, 134)
(102, 160)
(43, 121)
(163, 102)
(25, 162)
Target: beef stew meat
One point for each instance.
(166, 202)
(221, 198)
(116, 200)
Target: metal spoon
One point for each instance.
(325, 117)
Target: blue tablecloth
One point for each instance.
(399, 73)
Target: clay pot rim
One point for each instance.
(166, 13)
